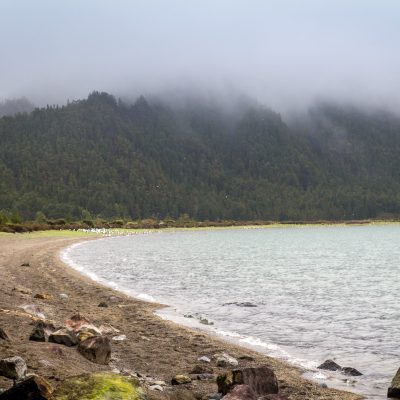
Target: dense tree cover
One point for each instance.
(101, 157)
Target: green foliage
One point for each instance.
(100, 157)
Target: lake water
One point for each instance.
(310, 293)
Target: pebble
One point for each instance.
(204, 359)
(156, 387)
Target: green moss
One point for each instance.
(99, 386)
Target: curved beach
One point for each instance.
(153, 346)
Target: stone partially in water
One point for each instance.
(32, 388)
(261, 380)
(394, 389)
(330, 365)
(99, 386)
(351, 371)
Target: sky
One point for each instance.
(284, 53)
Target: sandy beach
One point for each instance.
(153, 347)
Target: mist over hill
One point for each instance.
(151, 158)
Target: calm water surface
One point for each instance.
(316, 292)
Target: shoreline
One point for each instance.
(154, 346)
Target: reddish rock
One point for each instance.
(240, 392)
(261, 380)
(96, 349)
(76, 322)
(33, 388)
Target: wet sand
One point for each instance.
(153, 347)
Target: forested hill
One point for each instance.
(147, 159)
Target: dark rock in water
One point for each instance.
(13, 368)
(42, 331)
(330, 365)
(351, 371)
(240, 392)
(64, 336)
(96, 349)
(180, 379)
(394, 389)
(4, 335)
(32, 388)
(100, 385)
(103, 304)
(243, 304)
(261, 380)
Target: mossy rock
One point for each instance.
(99, 386)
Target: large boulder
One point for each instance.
(32, 388)
(42, 331)
(330, 365)
(96, 349)
(261, 380)
(13, 368)
(64, 336)
(99, 386)
(240, 392)
(394, 389)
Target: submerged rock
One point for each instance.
(241, 392)
(96, 349)
(64, 336)
(180, 379)
(100, 386)
(261, 380)
(225, 360)
(394, 389)
(351, 371)
(330, 365)
(238, 304)
(13, 368)
(32, 388)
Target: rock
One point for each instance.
(76, 322)
(225, 360)
(64, 336)
(238, 304)
(215, 396)
(206, 377)
(32, 388)
(201, 369)
(25, 264)
(100, 385)
(114, 299)
(63, 296)
(108, 329)
(43, 296)
(261, 380)
(34, 310)
(103, 304)
(351, 371)
(180, 379)
(182, 395)
(13, 368)
(323, 385)
(246, 358)
(119, 338)
(277, 396)
(156, 387)
(240, 392)
(84, 334)
(22, 289)
(204, 359)
(42, 331)
(96, 349)
(394, 389)
(4, 335)
(330, 365)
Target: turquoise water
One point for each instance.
(311, 293)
